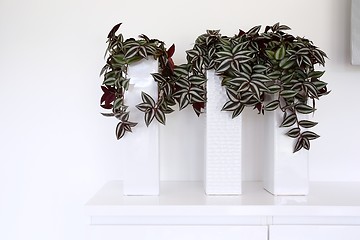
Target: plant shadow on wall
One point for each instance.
(254, 66)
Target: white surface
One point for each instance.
(141, 160)
(355, 32)
(56, 150)
(181, 232)
(222, 142)
(314, 232)
(285, 172)
(186, 203)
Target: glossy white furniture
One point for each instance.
(330, 211)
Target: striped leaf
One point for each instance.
(261, 77)
(158, 78)
(147, 99)
(310, 135)
(224, 65)
(238, 111)
(288, 93)
(274, 75)
(305, 143)
(143, 107)
(298, 145)
(259, 68)
(131, 52)
(271, 106)
(197, 80)
(307, 124)
(304, 108)
(231, 106)
(293, 133)
(232, 95)
(120, 130)
(274, 88)
(288, 120)
(160, 116)
(149, 116)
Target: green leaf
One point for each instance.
(286, 63)
(119, 58)
(109, 81)
(316, 74)
(118, 103)
(307, 124)
(160, 116)
(271, 106)
(147, 99)
(293, 133)
(310, 135)
(304, 108)
(270, 54)
(288, 120)
(280, 53)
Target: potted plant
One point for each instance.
(279, 78)
(138, 83)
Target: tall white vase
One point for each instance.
(141, 166)
(222, 143)
(284, 172)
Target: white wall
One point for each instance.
(56, 150)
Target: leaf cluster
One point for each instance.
(120, 53)
(254, 65)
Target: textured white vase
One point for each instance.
(141, 166)
(284, 172)
(222, 143)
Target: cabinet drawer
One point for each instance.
(179, 232)
(303, 232)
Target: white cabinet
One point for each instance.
(186, 232)
(306, 232)
(331, 211)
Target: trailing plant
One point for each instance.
(295, 83)
(121, 53)
(255, 66)
(191, 77)
(280, 66)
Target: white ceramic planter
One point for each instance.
(222, 143)
(285, 172)
(141, 167)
